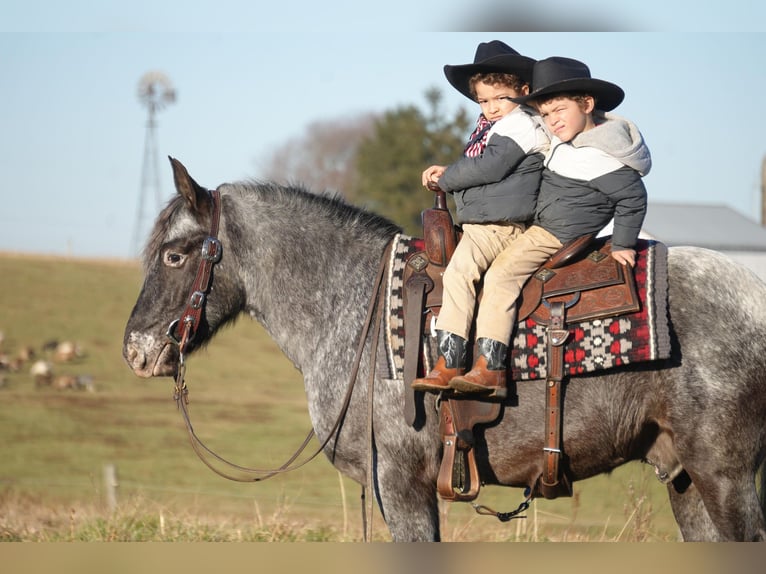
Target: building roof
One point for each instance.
(712, 226)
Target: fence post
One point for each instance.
(110, 486)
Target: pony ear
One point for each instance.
(195, 194)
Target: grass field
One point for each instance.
(247, 403)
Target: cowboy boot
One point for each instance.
(449, 364)
(488, 372)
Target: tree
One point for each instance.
(323, 158)
(390, 161)
(375, 161)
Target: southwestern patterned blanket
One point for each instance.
(592, 345)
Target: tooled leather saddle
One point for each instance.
(578, 283)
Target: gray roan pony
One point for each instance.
(304, 266)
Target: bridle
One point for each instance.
(211, 254)
(189, 321)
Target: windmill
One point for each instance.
(155, 92)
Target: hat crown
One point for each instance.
(556, 75)
(491, 57)
(489, 50)
(557, 69)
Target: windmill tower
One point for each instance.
(154, 91)
(763, 193)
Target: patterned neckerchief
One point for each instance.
(478, 140)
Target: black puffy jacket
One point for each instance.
(500, 185)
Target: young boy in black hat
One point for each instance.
(495, 188)
(592, 171)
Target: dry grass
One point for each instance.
(24, 518)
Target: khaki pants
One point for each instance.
(506, 256)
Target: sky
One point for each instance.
(248, 79)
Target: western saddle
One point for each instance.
(578, 283)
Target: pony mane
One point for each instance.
(294, 197)
(298, 199)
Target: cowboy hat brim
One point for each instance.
(607, 95)
(460, 76)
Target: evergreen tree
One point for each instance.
(390, 161)
(375, 161)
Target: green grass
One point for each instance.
(247, 404)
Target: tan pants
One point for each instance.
(506, 256)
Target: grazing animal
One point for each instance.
(42, 373)
(304, 266)
(67, 351)
(65, 382)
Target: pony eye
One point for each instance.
(173, 259)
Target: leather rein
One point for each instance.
(189, 321)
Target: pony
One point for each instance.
(303, 265)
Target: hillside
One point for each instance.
(247, 403)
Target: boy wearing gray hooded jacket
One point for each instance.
(592, 175)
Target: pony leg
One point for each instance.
(689, 511)
(717, 508)
(733, 505)
(409, 506)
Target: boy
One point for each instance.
(592, 172)
(495, 188)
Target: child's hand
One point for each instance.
(432, 174)
(625, 256)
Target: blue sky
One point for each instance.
(248, 79)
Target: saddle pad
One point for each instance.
(604, 343)
(593, 346)
(393, 328)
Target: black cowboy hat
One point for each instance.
(494, 56)
(557, 75)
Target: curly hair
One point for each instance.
(496, 79)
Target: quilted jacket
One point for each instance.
(594, 178)
(501, 184)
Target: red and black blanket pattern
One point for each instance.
(592, 346)
(605, 343)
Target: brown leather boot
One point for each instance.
(451, 363)
(488, 372)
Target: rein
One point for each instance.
(189, 323)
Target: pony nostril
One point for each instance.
(135, 358)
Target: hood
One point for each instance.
(618, 137)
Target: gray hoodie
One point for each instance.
(593, 178)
